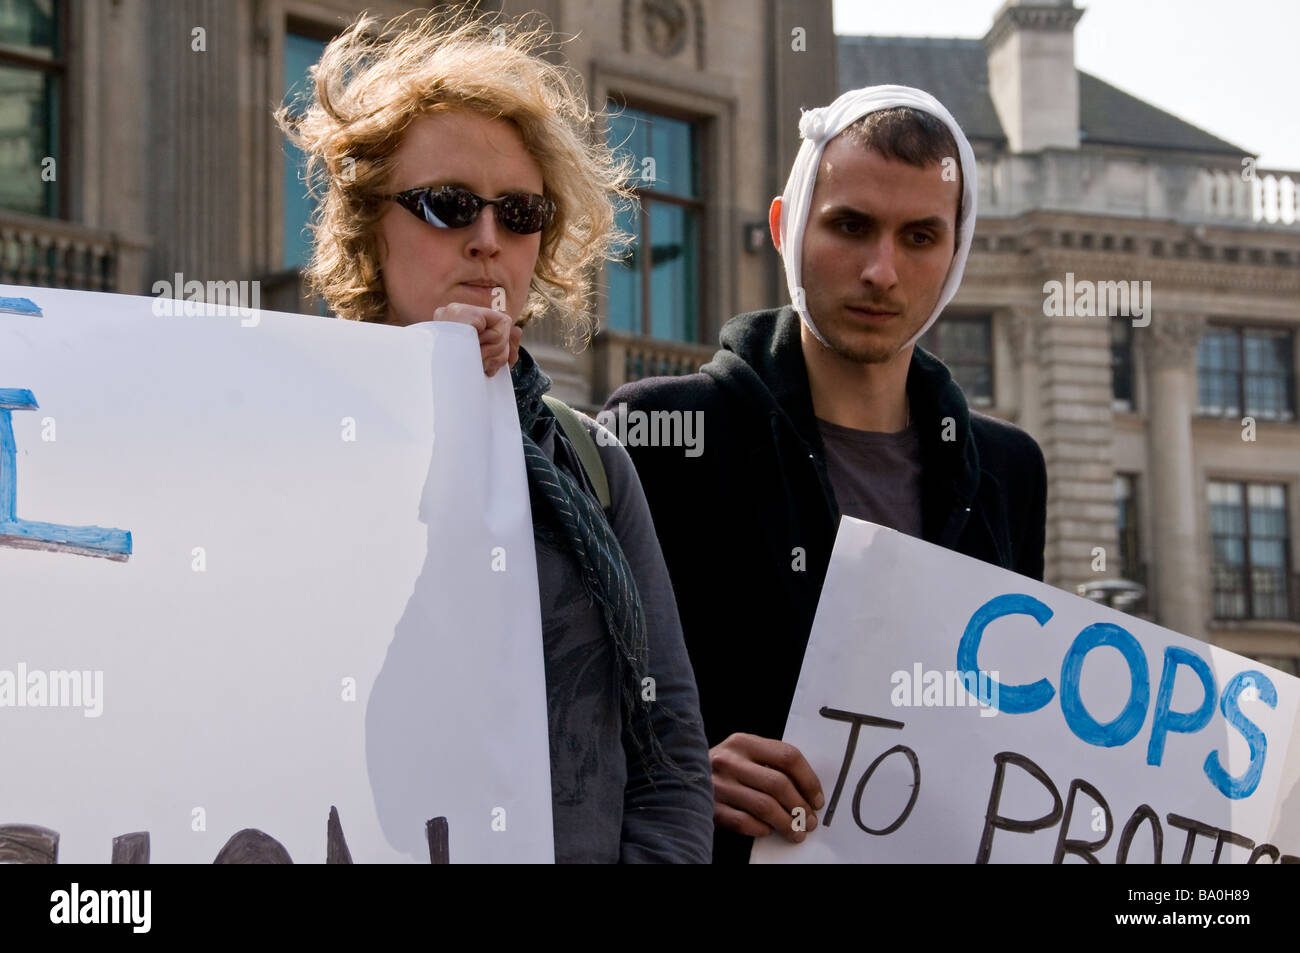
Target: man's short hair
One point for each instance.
(912, 136)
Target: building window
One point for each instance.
(965, 344)
(300, 52)
(31, 90)
(1121, 362)
(1250, 543)
(1247, 372)
(658, 293)
(1126, 503)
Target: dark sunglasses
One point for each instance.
(450, 207)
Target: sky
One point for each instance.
(1232, 69)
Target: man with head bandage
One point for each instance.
(826, 408)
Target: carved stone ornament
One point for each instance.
(1023, 333)
(665, 26)
(1171, 339)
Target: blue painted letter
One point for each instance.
(28, 534)
(1245, 785)
(1013, 699)
(1163, 720)
(1128, 722)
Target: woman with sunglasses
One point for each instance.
(460, 179)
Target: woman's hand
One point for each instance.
(498, 335)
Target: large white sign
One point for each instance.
(956, 712)
(252, 570)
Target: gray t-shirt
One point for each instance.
(876, 476)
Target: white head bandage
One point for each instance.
(820, 126)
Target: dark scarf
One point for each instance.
(562, 506)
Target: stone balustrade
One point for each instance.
(1095, 182)
(620, 358)
(52, 253)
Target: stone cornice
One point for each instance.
(1056, 19)
(1169, 272)
(1031, 260)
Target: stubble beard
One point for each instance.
(864, 348)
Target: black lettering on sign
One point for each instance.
(1144, 812)
(436, 830)
(1086, 849)
(336, 847)
(1261, 850)
(131, 848)
(1240, 840)
(995, 821)
(911, 802)
(1193, 827)
(857, 721)
(28, 844)
(251, 846)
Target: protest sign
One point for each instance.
(957, 712)
(272, 574)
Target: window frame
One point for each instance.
(1240, 331)
(986, 318)
(1127, 362)
(1247, 565)
(700, 206)
(322, 32)
(1130, 568)
(56, 66)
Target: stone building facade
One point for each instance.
(157, 116)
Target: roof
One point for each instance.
(956, 72)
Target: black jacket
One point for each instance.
(747, 526)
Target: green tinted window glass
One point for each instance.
(662, 150)
(625, 278)
(663, 166)
(28, 129)
(674, 271)
(300, 52)
(30, 27)
(673, 147)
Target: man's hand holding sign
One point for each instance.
(1075, 731)
(763, 786)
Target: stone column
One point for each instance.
(1022, 332)
(197, 139)
(1169, 347)
(1077, 419)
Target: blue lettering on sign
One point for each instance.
(19, 306)
(28, 534)
(1013, 699)
(1128, 723)
(1164, 720)
(1023, 699)
(1245, 785)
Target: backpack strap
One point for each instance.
(580, 437)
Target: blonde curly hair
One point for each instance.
(372, 81)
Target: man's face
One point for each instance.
(425, 267)
(876, 250)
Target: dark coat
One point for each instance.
(747, 526)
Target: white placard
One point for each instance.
(327, 598)
(957, 712)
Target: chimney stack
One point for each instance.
(1032, 78)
